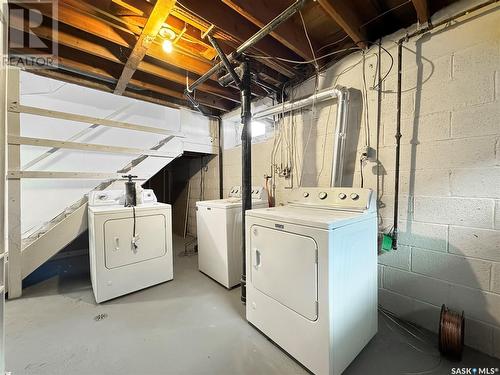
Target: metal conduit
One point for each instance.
(258, 36)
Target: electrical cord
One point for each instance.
(316, 66)
(134, 234)
(303, 62)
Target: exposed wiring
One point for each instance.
(384, 13)
(333, 43)
(304, 62)
(380, 62)
(309, 41)
(134, 233)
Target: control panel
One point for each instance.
(117, 197)
(258, 192)
(339, 198)
(148, 196)
(106, 198)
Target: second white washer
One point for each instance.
(219, 235)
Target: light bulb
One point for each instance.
(167, 46)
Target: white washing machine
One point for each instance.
(219, 235)
(312, 275)
(122, 262)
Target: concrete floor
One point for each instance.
(190, 325)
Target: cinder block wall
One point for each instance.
(450, 169)
(204, 185)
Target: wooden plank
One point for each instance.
(240, 29)
(261, 12)
(120, 37)
(54, 240)
(14, 192)
(422, 10)
(346, 18)
(160, 12)
(111, 52)
(41, 142)
(14, 175)
(17, 108)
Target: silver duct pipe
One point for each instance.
(340, 137)
(342, 95)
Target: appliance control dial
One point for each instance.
(306, 194)
(342, 196)
(322, 195)
(354, 196)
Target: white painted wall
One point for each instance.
(43, 199)
(3, 167)
(450, 170)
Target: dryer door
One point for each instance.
(284, 267)
(118, 249)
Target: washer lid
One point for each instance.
(230, 203)
(103, 210)
(308, 216)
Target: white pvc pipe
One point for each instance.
(342, 95)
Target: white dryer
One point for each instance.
(219, 235)
(312, 275)
(130, 247)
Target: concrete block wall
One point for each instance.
(450, 168)
(204, 185)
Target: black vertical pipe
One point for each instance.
(221, 161)
(398, 147)
(246, 163)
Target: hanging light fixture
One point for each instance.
(167, 46)
(168, 36)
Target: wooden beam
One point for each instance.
(14, 192)
(18, 108)
(77, 40)
(260, 12)
(95, 68)
(153, 26)
(120, 36)
(14, 175)
(41, 142)
(346, 18)
(422, 9)
(240, 29)
(195, 26)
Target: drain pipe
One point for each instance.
(400, 42)
(246, 163)
(398, 148)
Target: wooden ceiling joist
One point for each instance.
(233, 24)
(422, 9)
(108, 51)
(153, 26)
(261, 12)
(346, 18)
(107, 73)
(105, 31)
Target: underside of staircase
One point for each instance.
(59, 232)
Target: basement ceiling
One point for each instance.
(116, 45)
